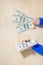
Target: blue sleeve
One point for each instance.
(41, 21)
(38, 48)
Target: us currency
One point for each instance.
(26, 45)
(24, 27)
(21, 18)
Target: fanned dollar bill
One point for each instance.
(24, 27)
(24, 22)
(21, 18)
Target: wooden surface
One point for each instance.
(9, 36)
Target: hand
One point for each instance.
(36, 21)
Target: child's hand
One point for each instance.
(36, 21)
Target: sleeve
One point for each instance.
(41, 21)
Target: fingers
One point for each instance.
(36, 21)
(27, 40)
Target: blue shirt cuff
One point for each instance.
(41, 21)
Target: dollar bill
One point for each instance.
(25, 45)
(21, 18)
(24, 27)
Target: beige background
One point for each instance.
(9, 36)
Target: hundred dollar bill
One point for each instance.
(21, 18)
(25, 45)
(25, 27)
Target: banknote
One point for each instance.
(21, 18)
(25, 27)
(26, 45)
